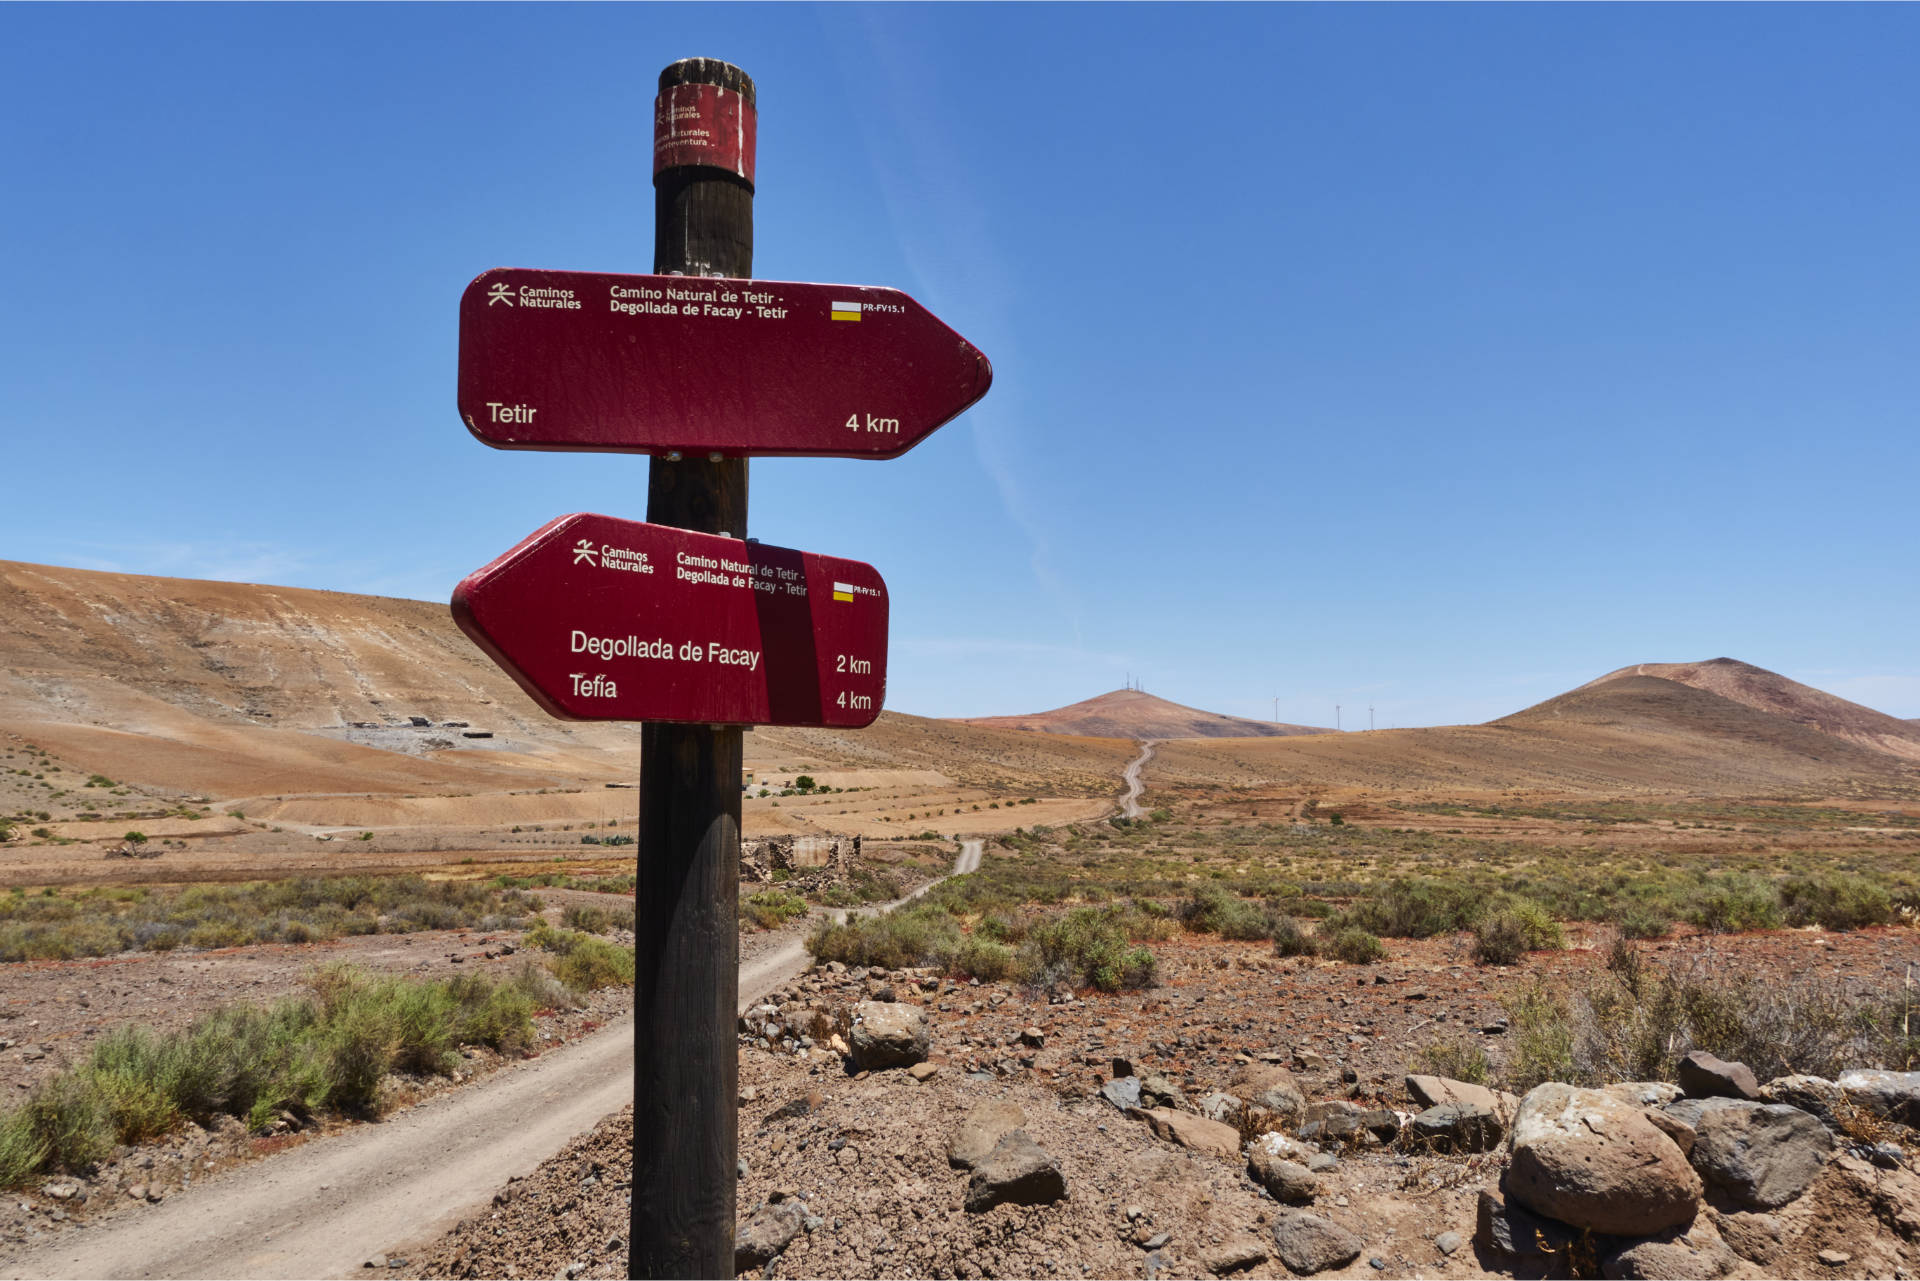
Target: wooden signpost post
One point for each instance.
(682, 623)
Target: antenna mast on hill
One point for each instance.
(1276, 709)
(1369, 715)
(1336, 718)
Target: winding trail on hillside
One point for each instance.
(1130, 803)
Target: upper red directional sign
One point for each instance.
(606, 619)
(657, 364)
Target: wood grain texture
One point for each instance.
(686, 935)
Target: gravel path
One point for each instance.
(1130, 803)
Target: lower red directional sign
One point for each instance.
(606, 619)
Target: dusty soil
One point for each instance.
(868, 1156)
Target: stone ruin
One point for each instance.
(810, 862)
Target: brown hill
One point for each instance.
(1634, 734)
(1129, 713)
(238, 691)
(1770, 692)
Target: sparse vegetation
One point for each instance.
(1355, 946)
(584, 962)
(101, 922)
(770, 909)
(324, 1051)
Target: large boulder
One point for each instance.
(1307, 1243)
(1895, 1095)
(1459, 1127)
(1702, 1076)
(1158, 1092)
(980, 1130)
(1816, 1095)
(887, 1034)
(1224, 1108)
(1196, 1132)
(1596, 1162)
(1646, 1094)
(1762, 1155)
(1019, 1171)
(766, 1234)
(1270, 1086)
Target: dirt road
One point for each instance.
(322, 1209)
(1130, 803)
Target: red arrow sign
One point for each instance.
(615, 620)
(654, 364)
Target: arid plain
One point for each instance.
(1298, 920)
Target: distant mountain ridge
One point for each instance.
(1132, 713)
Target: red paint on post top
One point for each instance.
(701, 124)
(605, 619)
(655, 364)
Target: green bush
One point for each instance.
(1414, 909)
(1455, 1058)
(770, 909)
(1835, 902)
(1643, 919)
(68, 1117)
(1210, 909)
(1290, 940)
(1543, 1039)
(1511, 928)
(1734, 903)
(583, 962)
(1085, 946)
(1355, 946)
(983, 959)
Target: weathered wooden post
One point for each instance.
(686, 937)
(679, 623)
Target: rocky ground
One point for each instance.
(1074, 1138)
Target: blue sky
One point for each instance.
(1438, 358)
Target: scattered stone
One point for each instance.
(1439, 1091)
(1158, 1092)
(1157, 1240)
(922, 1071)
(1270, 1086)
(1702, 1076)
(1834, 1258)
(765, 1235)
(1235, 1256)
(1597, 1162)
(888, 1035)
(1221, 1107)
(1323, 1162)
(1287, 1181)
(1019, 1171)
(1459, 1127)
(1895, 1095)
(1507, 1228)
(61, 1191)
(981, 1130)
(1123, 1092)
(1195, 1132)
(1448, 1242)
(1309, 1061)
(1308, 1243)
(1762, 1154)
(377, 1261)
(1033, 1038)
(1122, 1067)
